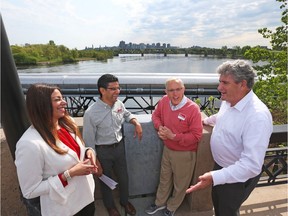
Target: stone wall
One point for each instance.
(144, 158)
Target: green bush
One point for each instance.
(23, 59)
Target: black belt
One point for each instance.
(114, 145)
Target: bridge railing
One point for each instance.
(140, 92)
(136, 102)
(274, 170)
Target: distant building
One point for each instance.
(122, 44)
(130, 45)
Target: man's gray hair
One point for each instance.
(174, 79)
(240, 70)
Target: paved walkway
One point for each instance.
(264, 201)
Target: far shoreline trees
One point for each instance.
(39, 54)
(271, 86)
(50, 53)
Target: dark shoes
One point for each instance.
(113, 212)
(153, 209)
(129, 209)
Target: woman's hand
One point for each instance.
(90, 154)
(82, 168)
(99, 171)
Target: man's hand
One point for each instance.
(165, 133)
(138, 131)
(203, 182)
(138, 128)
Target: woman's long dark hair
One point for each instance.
(40, 111)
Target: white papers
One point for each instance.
(108, 181)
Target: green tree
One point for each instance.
(24, 59)
(75, 53)
(271, 86)
(224, 51)
(51, 42)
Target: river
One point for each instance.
(127, 63)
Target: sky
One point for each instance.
(98, 23)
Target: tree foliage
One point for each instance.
(271, 86)
(53, 54)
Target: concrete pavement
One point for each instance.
(264, 201)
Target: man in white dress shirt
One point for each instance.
(240, 137)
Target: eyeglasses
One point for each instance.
(174, 90)
(114, 88)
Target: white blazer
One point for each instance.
(38, 166)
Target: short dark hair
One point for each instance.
(104, 81)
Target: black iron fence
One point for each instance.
(137, 101)
(274, 170)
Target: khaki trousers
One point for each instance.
(177, 168)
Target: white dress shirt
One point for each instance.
(240, 139)
(180, 105)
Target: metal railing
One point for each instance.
(137, 102)
(274, 170)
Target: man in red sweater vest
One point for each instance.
(178, 122)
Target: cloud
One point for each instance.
(197, 19)
(179, 22)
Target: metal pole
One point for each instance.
(14, 119)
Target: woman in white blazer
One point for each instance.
(51, 159)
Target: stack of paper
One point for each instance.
(108, 181)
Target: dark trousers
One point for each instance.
(114, 159)
(228, 198)
(88, 210)
(32, 206)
